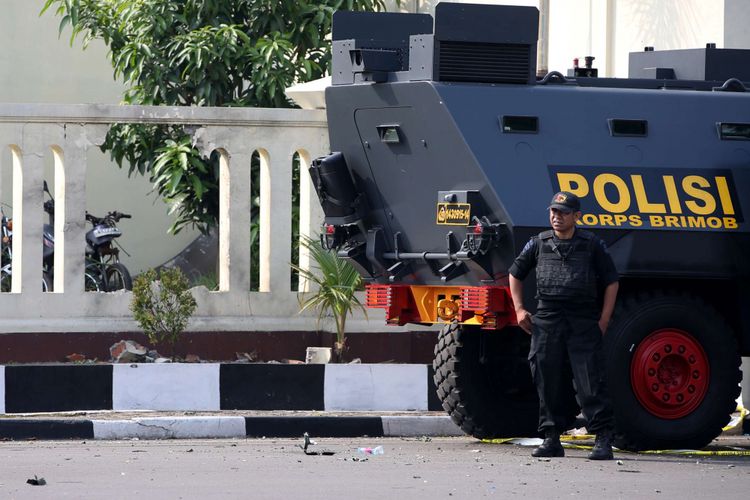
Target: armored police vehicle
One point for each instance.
(447, 149)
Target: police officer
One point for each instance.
(572, 266)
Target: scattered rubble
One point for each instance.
(76, 358)
(128, 351)
(246, 357)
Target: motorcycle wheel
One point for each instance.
(91, 282)
(46, 282)
(118, 278)
(5, 281)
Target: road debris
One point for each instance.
(306, 444)
(36, 481)
(378, 450)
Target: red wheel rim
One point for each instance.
(669, 373)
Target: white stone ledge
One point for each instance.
(171, 428)
(419, 425)
(178, 386)
(199, 324)
(107, 113)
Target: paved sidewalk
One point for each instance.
(223, 424)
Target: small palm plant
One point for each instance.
(334, 283)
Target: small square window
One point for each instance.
(734, 131)
(389, 134)
(627, 128)
(520, 124)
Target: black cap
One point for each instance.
(565, 201)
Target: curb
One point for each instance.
(217, 387)
(215, 427)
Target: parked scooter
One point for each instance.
(103, 268)
(103, 271)
(48, 241)
(6, 261)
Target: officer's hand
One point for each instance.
(524, 320)
(603, 324)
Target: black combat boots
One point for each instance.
(550, 447)
(602, 447)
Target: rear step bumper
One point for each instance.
(489, 307)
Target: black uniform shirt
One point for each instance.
(602, 263)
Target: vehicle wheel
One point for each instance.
(46, 282)
(5, 281)
(673, 371)
(91, 282)
(484, 382)
(118, 278)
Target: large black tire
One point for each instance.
(484, 382)
(118, 278)
(673, 371)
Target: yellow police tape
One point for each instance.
(736, 420)
(568, 442)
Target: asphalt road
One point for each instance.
(409, 468)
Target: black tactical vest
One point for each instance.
(569, 275)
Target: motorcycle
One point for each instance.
(104, 272)
(6, 261)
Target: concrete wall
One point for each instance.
(37, 66)
(33, 132)
(736, 21)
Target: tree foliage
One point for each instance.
(200, 53)
(162, 307)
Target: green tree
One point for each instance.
(162, 306)
(200, 53)
(334, 282)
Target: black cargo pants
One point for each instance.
(567, 348)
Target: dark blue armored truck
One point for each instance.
(447, 147)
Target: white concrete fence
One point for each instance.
(66, 132)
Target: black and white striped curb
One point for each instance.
(216, 386)
(207, 387)
(199, 427)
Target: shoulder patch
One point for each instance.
(529, 245)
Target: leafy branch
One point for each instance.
(200, 53)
